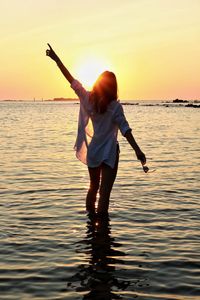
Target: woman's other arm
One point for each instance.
(50, 52)
(125, 129)
(140, 155)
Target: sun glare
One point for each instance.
(90, 68)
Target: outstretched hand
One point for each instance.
(50, 52)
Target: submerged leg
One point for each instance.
(93, 189)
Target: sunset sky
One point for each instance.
(153, 46)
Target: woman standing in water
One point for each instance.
(100, 117)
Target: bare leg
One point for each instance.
(94, 186)
(108, 176)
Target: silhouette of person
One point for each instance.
(101, 115)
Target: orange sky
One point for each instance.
(153, 46)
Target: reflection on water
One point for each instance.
(97, 277)
(49, 249)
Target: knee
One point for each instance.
(104, 192)
(94, 187)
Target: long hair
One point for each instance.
(104, 91)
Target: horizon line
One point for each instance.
(60, 99)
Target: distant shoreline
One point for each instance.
(167, 103)
(41, 100)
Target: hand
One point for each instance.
(145, 169)
(141, 156)
(50, 52)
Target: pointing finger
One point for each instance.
(49, 46)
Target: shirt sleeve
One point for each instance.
(120, 120)
(78, 89)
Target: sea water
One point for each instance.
(148, 247)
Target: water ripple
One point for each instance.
(147, 248)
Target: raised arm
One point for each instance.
(50, 52)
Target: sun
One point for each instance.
(89, 69)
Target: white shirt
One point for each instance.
(96, 140)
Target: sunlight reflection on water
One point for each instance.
(50, 249)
